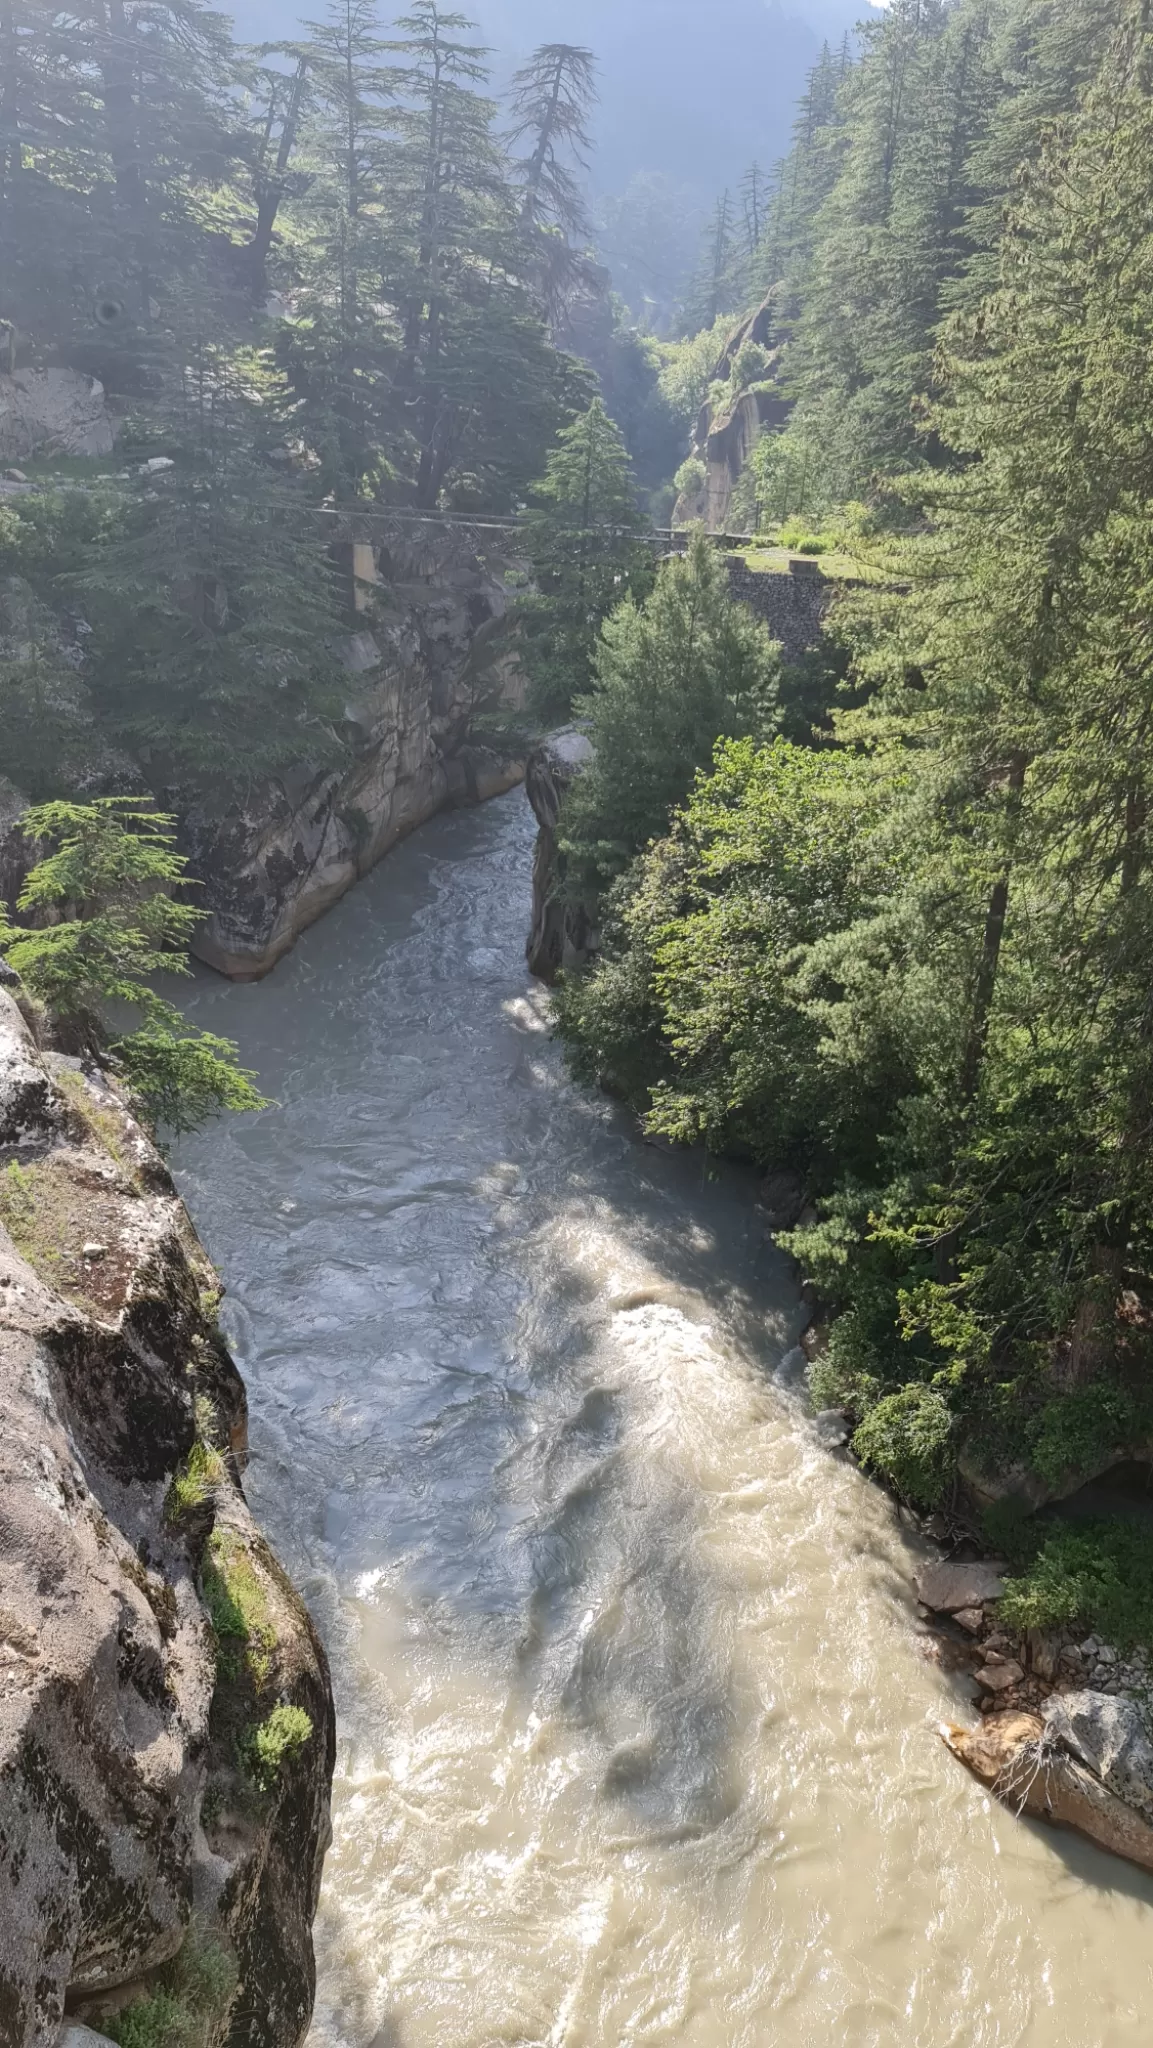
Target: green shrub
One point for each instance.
(691, 477)
(1098, 1575)
(1078, 1432)
(18, 1203)
(286, 1730)
(907, 1437)
(157, 2022)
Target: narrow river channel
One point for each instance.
(637, 1742)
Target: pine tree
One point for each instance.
(214, 602)
(551, 100)
(116, 121)
(715, 289)
(584, 541)
(341, 348)
(550, 103)
(282, 103)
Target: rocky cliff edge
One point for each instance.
(166, 1724)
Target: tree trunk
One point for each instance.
(540, 154)
(270, 192)
(986, 988)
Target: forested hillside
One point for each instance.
(910, 957)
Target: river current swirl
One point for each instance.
(637, 1742)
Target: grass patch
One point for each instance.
(835, 567)
(238, 1610)
(18, 1204)
(1096, 1576)
(188, 2000)
(266, 1749)
(193, 1482)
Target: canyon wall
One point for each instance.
(166, 1721)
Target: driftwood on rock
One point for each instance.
(1019, 1760)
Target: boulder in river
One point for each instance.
(561, 934)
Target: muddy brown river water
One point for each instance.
(637, 1744)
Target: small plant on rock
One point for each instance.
(267, 1748)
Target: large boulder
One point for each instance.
(56, 412)
(123, 1809)
(561, 933)
(948, 1588)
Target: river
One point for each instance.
(637, 1734)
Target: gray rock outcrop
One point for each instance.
(53, 412)
(1110, 1738)
(127, 1813)
(724, 437)
(561, 933)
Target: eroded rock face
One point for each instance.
(434, 648)
(561, 933)
(122, 1807)
(724, 440)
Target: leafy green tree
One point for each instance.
(942, 1013)
(671, 676)
(689, 367)
(107, 887)
(584, 541)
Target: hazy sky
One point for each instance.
(693, 88)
